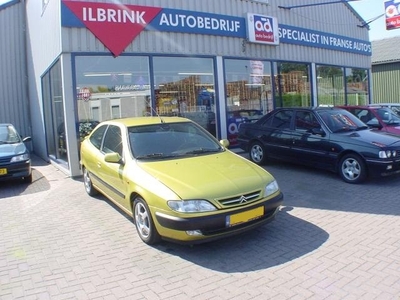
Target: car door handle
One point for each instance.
(99, 164)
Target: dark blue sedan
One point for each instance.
(324, 137)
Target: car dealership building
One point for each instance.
(67, 65)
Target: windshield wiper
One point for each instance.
(202, 150)
(155, 155)
(362, 127)
(344, 129)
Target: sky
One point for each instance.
(370, 9)
(367, 9)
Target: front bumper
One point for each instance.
(215, 226)
(378, 168)
(15, 170)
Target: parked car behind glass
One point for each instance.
(15, 162)
(324, 137)
(176, 180)
(378, 118)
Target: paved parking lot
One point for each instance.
(331, 240)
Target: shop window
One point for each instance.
(292, 84)
(109, 88)
(330, 85)
(248, 88)
(53, 104)
(185, 87)
(357, 86)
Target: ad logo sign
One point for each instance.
(115, 25)
(392, 14)
(262, 29)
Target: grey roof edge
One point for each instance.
(5, 5)
(382, 50)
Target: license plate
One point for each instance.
(245, 216)
(3, 171)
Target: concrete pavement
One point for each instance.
(331, 240)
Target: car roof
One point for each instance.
(370, 107)
(137, 121)
(385, 104)
(354, 106)
(327, 107)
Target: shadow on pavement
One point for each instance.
(270, 245)
(12, 188)
(319, 189)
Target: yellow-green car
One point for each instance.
(176, 180)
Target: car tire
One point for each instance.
(257, 153)
(87, 181)
(352, 169)
(144, 222)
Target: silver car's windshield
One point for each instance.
(166, 140)
(8, 134)
(388, 116)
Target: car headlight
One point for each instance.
(271, 188)
(19, 158)
(387, 154)
(191, 206)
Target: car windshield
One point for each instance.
(8, 134)
(341, 120)
(396, 109)
(388, 116)
(171, 140)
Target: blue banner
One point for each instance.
(185, 21)
(312, 38)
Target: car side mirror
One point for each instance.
(113, 157)
(318, 131)
(224, 143)
(27, 139)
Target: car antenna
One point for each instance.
(156, 113)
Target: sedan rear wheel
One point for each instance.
(144, 222)
(88, 183)
(352, 169)
(257, 153)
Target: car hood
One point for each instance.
(373, 136)
(392, 129)
(12, 149)
(209, 176)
